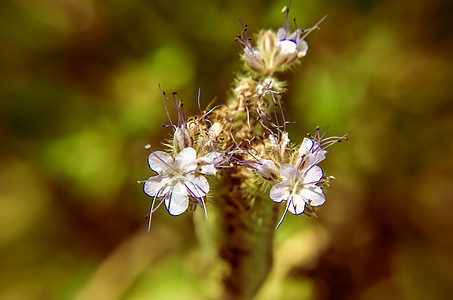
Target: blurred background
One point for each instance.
(79, 99)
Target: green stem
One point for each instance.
(248, 226)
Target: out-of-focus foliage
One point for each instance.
(79, 99)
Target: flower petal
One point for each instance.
(254, 59)
(302, 48)
(288, 51)
(288, 173)
(160, 161)
(212, 157)
(178, 201)
(154, 186)
(297, 205)
(306, 146)
(208, 170)
(207, 163)
(314, 195)
(279, 192)
(282, 33)
(316, 157)
(313, 175)
(186, 160)
(198, 186)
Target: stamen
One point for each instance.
(261, 120)
(281, 110)
(248, 115)
(150, 215)
(288, 202)
(285, 10)
(181, 112)
(212, 109)
(243, 38)
(192, 194)
(204, 208)
(310, 29)
(162, 94)
(152, 210)
(324, 143)
(322, 180)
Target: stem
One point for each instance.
(248, 226)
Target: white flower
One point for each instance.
(287, 50)
(298, 187)
(291, 45)
(176, 180)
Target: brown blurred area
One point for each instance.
(79, 99)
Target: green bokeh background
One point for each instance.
(79, 99)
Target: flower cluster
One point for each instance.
(296, 175)
(248, 136)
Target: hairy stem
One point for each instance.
(248, 226)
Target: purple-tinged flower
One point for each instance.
(298, 188)
(291, 45)
(176, 181)
(301, 178)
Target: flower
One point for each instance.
(291, 45)
(275, 52)
(298, 188)
(176, 180)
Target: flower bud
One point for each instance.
(267, 169)
(266, 42)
